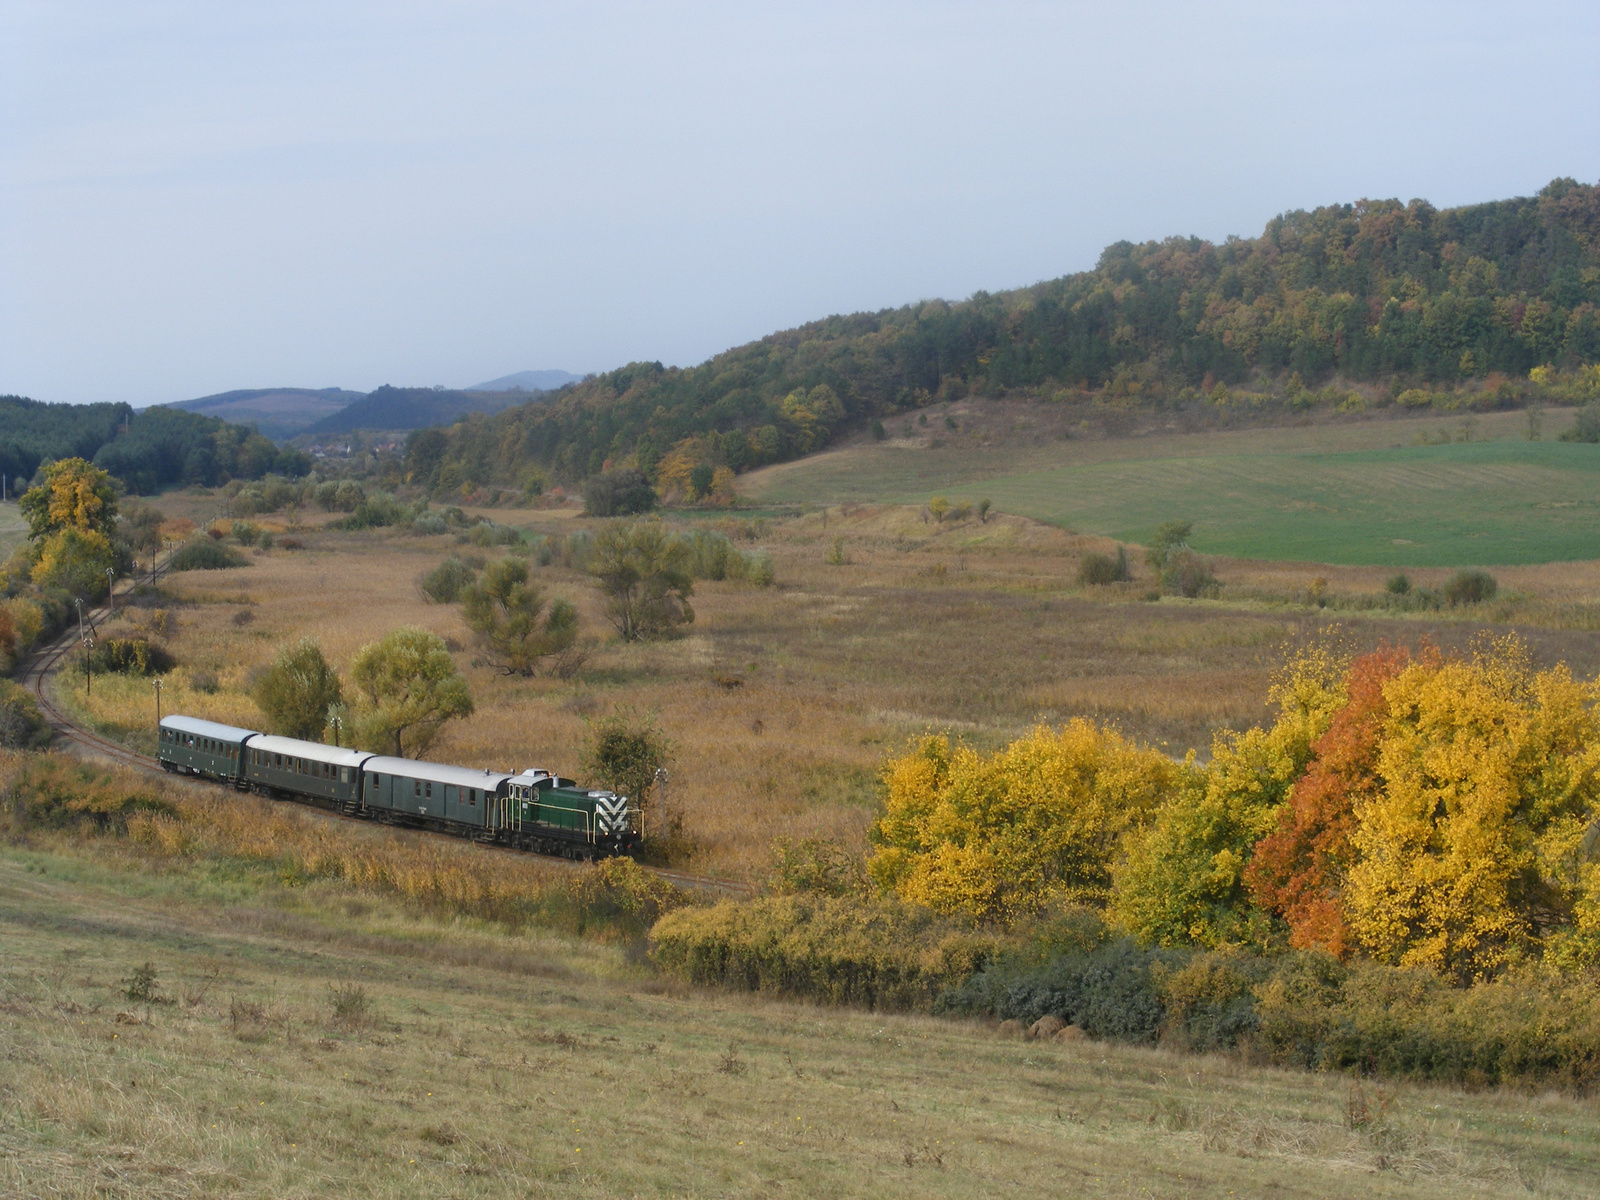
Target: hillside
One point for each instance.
(275, 412)
(395, 408)
(147, 450)
(1412, 300)
(1412, 493)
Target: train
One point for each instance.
(534, 809)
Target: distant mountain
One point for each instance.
(392, 408)
(278, 413)
(528, 381)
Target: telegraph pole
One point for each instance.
(111, 589)
(158, 705)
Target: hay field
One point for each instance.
(311, 1042)
(976, 628)
(1362, 493)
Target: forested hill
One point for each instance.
(147, 450)
(412, 408)
(1374, 290)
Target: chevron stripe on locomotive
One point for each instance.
(533, 810)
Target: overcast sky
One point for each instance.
(199, 196)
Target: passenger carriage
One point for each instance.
(327, 775)
(190, 746)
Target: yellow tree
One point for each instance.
(993, 836)
(1182, 880)
(75, 494)
(1469, 851)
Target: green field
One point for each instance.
(12, 529)
(1276, 496)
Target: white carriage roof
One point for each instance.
(315, 751)
(210, 729)
(410, 768)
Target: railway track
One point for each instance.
(46, 661)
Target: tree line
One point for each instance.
(147, 450)
(1426, 297)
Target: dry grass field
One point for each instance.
(782, 702)
(314, 1041)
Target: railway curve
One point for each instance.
(47, 661)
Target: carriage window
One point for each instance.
(472, 797)
(344, 774)
(429, 788)
(416, 787)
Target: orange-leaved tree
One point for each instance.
(1297, 871)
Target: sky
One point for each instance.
(200, 196)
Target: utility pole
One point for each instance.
(337, 725)
(661, 782)
(158, 706)
(111, 589)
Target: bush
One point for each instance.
(378, 511)
(1470, 587)
(1187, 574)
(618, 494)
(22, 725)
(445, 583)
(131, 656)
(52, 791)
(245, 533)
(1100, 569)
(1112, 992)
(487, 533)
(1587, 426)
(1397, 585)
(207, 556)
(758, 569)
(834, 950)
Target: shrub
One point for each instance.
(245, 533)
(51, 791)
(22, 725)
(488, 533)
(1112, 992)
(618, 494)
(1100, 569)
(1185, 573)
(297, 691)
(835, 950)
(758, 569)
(625, 751)
(643, 572)
(1169, 537)
(131, 656)
(445, 582)
(509, 617)
(1397, 585)
(878, 431)
(377, 511)
(1470, 587)
(1586, 428)
(207, 556)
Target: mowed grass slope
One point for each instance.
(1478, 504)
(1346, 495)
(315, 1042)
